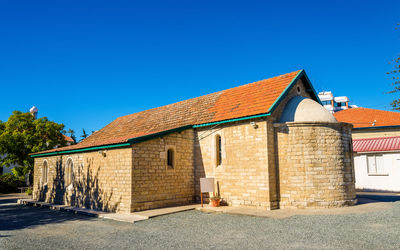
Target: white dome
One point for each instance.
(302, 109)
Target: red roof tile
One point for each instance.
(246, 100)
(68, 139)
(377, 144)
(365, 117)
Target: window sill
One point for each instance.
(378, 174)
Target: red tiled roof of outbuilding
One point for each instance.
(365, 117)
(246, 100)
(377, 144)
(68, 139)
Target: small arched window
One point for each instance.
(298, 89)
(45, 170)
(69, 173)
(170, 158)
(218, 150)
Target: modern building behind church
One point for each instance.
(268, 144)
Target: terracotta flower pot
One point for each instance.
(215, 202)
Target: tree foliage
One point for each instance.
(84, 135)
(21, 135)
(395, 78)
(71, 133)
(9, 183)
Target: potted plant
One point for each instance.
(215, 200)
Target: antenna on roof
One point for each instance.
(34, 111)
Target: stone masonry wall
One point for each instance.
(243, 178)
(155, 185)
(315, 165)
(102, 180)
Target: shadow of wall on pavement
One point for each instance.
(365, 197)
(15, 217)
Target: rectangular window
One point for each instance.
(326, 103)
(338, 104)
(375, 165)
(170, 158)
(218, 150)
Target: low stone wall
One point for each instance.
(315, 165)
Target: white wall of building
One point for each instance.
(387, 176)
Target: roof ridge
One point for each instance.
(217, 92)
(358, 108)
(240, 101)
(266, 79)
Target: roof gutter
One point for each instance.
(377, 152)
(231, 120)
(151, 136)
(81, 150)
(146, 137)
(377, 127)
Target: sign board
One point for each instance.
(206, 185)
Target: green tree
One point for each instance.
(1, 131)
(84, 135)
(395, 78)
(22, 135)
(71, 133)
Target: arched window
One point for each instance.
(218, 150)
(69, 173)
(45, 170)
(170, 158)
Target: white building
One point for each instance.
(334, 104)
(377, 164)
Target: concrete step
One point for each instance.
(129, 217)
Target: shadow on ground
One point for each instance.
(14, 216)
(365, 197)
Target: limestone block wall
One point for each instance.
(155, 185)
(244, 177)
(102, 180)
(315, 165)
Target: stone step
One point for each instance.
(130, 217)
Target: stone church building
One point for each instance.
(268, 144)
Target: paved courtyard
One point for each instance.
(24, 227)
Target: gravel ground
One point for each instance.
(38, 228)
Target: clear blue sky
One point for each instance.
(84, 63)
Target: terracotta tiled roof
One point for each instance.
(377, 144)
(68, 139)
(246, 100)
(364, 117)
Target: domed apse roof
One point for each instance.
(302, 109)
